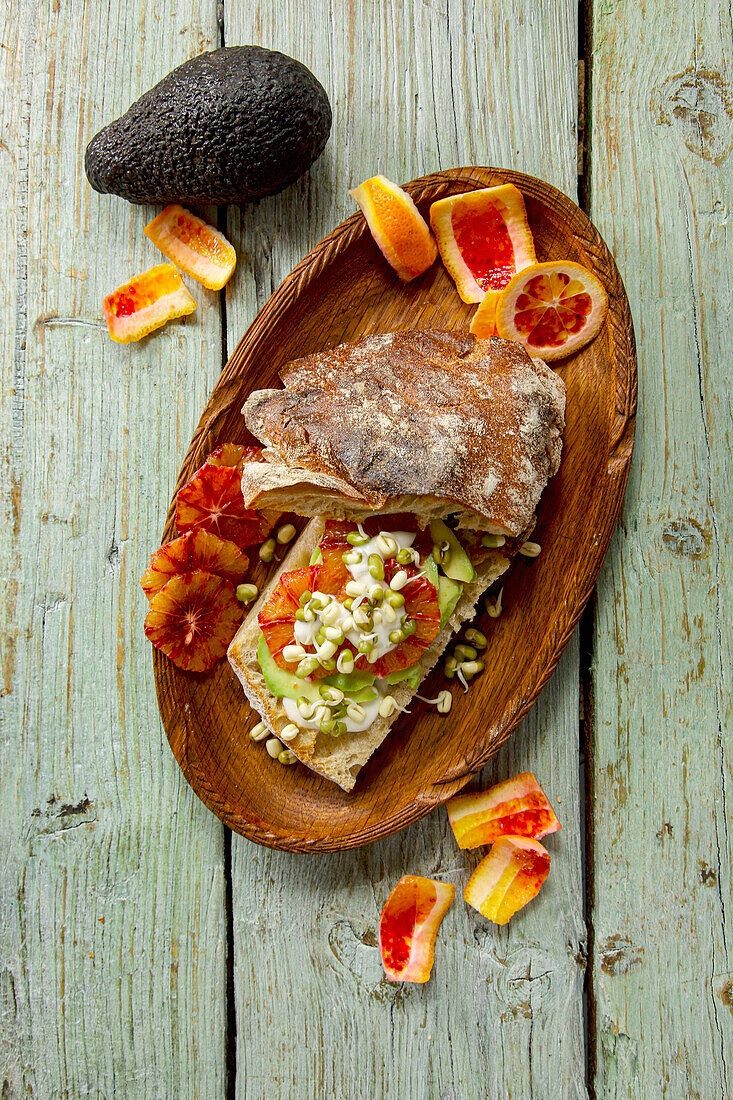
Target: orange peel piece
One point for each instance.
(507, 878)
(484, 238)
(398, 227)
(146, 303)
(408, 927)
(516, 807)
(553, 309)
(196, 247)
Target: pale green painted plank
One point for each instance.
(414, 88)
(662, 133)
(112, 923)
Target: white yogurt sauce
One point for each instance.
(371, 712)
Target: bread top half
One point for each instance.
(425, 421)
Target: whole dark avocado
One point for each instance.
(228, 126)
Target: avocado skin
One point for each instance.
(226, 127)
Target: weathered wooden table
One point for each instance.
(145, 951)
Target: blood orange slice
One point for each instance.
(212, 500)
(200, 250)
(516, 807)
(146, 303)
(193, 618)
(408, 927)
(507, 878)
(197, 549)
(397, 226)
(484, 238)
(553, 309)
(421, 606)
(277, 617)
(234, 454)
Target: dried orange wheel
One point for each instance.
(193, 619)
(195, 550)
(146, 303)
(553, 308)
(397, 226)
(484, 238)
(200, 250)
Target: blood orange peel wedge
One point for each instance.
(146, 303)
(195, 550)
(200, 250)
(553, 309)
(398, 227)
(516, 807)
(507, 878)
(484, 238)
(408, 927)
(193, 618)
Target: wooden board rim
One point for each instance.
(228, 393)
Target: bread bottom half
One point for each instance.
(341, 758)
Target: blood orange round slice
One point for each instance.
(277, 617)
(193, 618)
(398, 227)
(484, 238)
(553, 308)
(212, 500)
(197, 549)
(408, 927)
(200, 250)
(146, 303)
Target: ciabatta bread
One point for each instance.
(433, 423)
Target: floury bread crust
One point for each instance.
(340, 759)
(422, 421)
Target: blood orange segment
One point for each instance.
(212, 500)
(484, 238)
(553, 309)
(235, 454)
(516, 807)
(507, 878)
(146, 303)
(193, 618)
(200, 250)
(397, 226)
(277, 617)
(197, 549)
(409, 925)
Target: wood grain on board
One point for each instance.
(112, 922)
(662, 967)
(414, 88)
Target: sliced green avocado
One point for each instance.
(431, 570)
(458, 564)
(357, 685)
(349, 682)
(227, 126)
(283, 684)
(449, 593)
(413, 675)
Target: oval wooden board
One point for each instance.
(343, 289)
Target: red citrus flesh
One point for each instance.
(195, 550)
(212, 500)
(408, 927)
(507, 878)
(146, 303)
(193, 618)
(516, 807)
